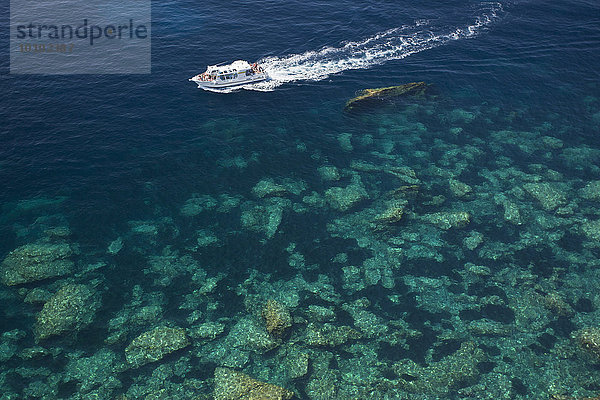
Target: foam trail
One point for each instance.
(392, 44)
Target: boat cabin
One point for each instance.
(227, 75)
(231, 71)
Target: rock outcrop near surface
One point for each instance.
(370, 97)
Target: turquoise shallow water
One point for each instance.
(159, 240)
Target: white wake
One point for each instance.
(393, 44)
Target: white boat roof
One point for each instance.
(238, 65)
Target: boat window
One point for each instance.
(222, 77)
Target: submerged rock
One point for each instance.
(320, 313)
(393, 211)
(115, 246)
(296, 363)
(70, 309)
(197, 204)
(234, 385)
(391, 215)
(155, 344)
(58, 232)
(459, 189)
(37, 295)
(247, 338)
(549, 196)
(486, 327)
(206, 238)
(447, 220)
(405, 174)
(267, 187)
(370, 97)
(329, 335)
(588, 339)
(473, 240)
(207, 330)
(344, 198)
(591, 191)
(558, 305)
(34, 262)
(265, 219)
(91, 372)
(329, 173)
(277, 317)
(512, 213)
(7, 351)
(249, 335)
(440, 377)
(345, 141)
(591, 229)
(460, 115)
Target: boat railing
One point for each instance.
(204, 77)
(228, 75)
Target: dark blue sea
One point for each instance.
(159, 241)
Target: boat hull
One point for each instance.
(228, 84)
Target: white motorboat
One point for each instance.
(228, 75)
